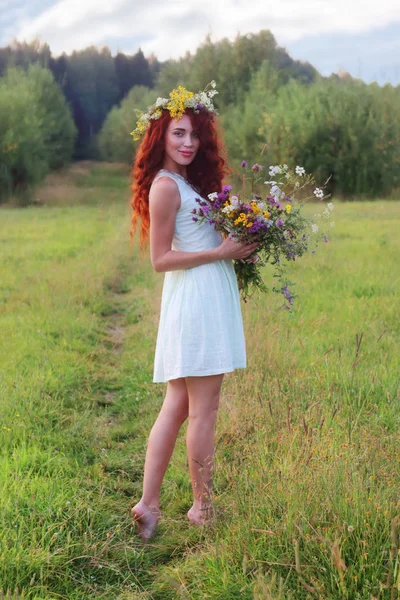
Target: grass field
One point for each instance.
(307, 444)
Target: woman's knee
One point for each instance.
(177, 414)
(176, 403)
(203, 414)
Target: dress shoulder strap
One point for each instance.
(165, 173)
(179, 179)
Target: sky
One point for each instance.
(358, 36)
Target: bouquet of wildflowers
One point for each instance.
(273, 218)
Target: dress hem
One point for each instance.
(191, 374)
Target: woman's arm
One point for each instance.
(164, 203)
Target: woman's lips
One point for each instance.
(186, 153)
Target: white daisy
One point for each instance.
(318, 193)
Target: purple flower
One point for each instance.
(256, 226)
(244, 164)
(199, 106)
(289, 297)
(279, 223)
(206, 209)
(194, 219)
(325, 238)
(194, 211)
(227, 189)
(256, 167)
(273, 202)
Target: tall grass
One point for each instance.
(307, 440)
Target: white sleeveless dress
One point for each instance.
(200, 329)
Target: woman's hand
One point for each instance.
(229, 249)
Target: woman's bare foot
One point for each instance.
(145, 518)
(200, 516)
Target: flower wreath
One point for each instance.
(179, 100)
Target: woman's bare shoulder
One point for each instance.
(165, 189)
(165, 183)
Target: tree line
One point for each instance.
(82, 105)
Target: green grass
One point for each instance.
(307, 440)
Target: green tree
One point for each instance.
(23, 157)
(173, 73)
(114, 140)
(242, 121)
(36, 128)
(59, 131)
(91, 89)
(347, 130)
(24, 54)
(132, 70)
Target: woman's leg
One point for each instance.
(161, 442)
(204, 394)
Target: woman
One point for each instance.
(200, 336)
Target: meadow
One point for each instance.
(306, 478)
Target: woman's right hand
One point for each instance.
(229, 249)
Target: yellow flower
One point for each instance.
(249, 224)
(177, 104)
(267, 214)
(254, 206)
(139, 131)
(288, 208)
(242, 218)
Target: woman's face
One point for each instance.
(181, 143)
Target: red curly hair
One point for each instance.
(206, 172)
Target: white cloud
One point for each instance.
(171, 27)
